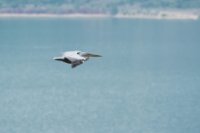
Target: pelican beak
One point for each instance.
(93, 55)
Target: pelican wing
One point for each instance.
(76, 63)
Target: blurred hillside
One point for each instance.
(92, 6)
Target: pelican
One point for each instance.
(75, 58)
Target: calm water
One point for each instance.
(148, 80)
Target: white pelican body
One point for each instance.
(75, 58)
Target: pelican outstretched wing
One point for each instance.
(76, 63)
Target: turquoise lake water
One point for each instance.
(148, 80)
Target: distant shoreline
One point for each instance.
(48, 15)
(160, 15)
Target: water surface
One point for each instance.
(147, 81)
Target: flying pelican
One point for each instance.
(75, 58)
